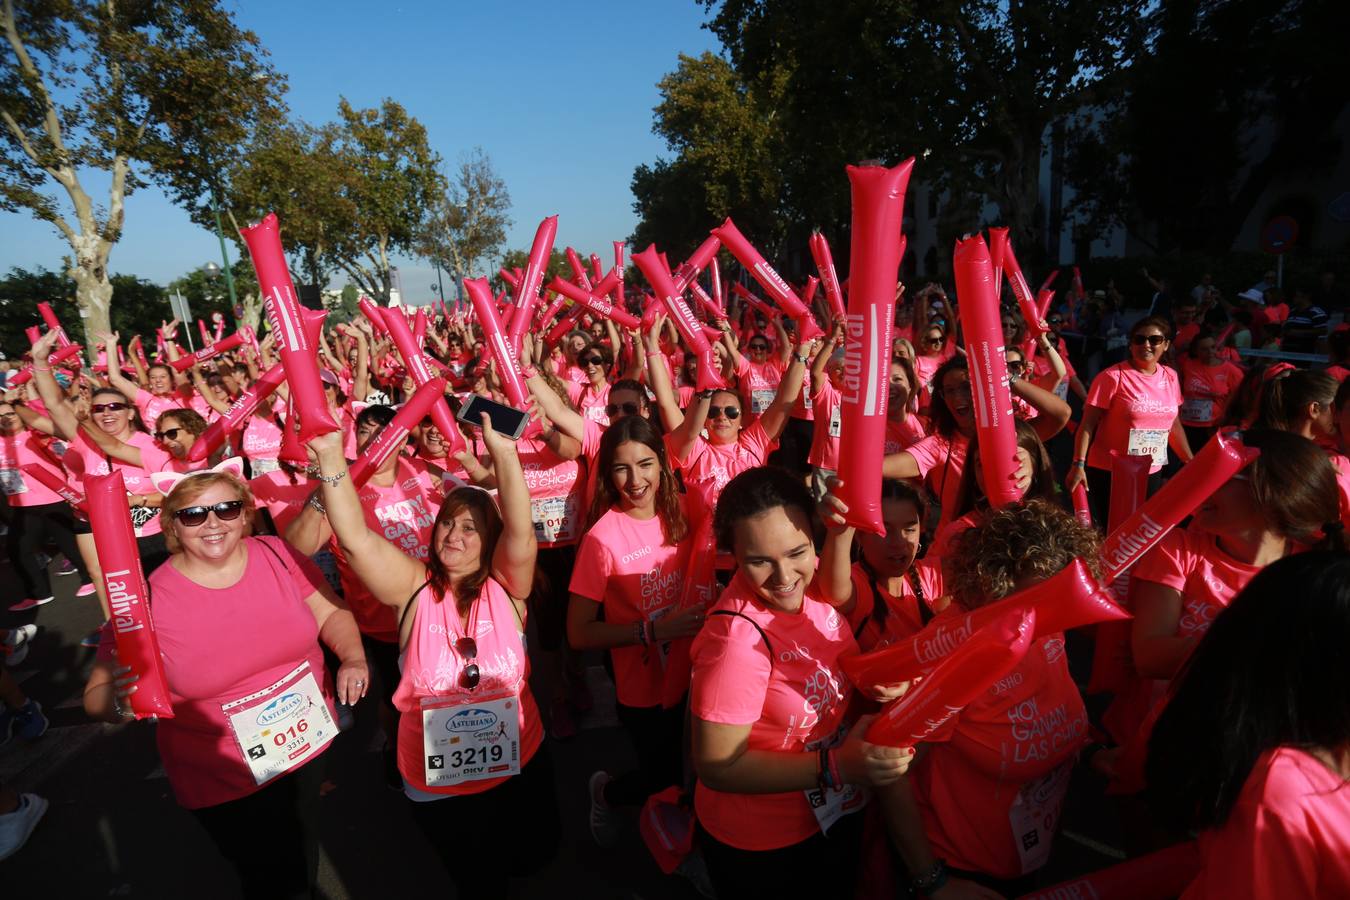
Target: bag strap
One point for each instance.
(403, 616)
(767, 644)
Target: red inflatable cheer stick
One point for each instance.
(298, 351)
(959, 680)
(372, 314)
(60, 356)
(509, 277)
(565, 324)
(1045, 285)
(812, 282)
(549, 314)
(1111, 651)
(773, 283)
(292, 451)
(1219, 460)
(508, 372)
(718, 295)
(579, 276)
(416, 363)
(755, 303)
(419, 327)
(206, 335)
(218, 323)
(619, 299)
(597, 305)
(977, 291)
(56, 484)
(528, 293)
(394, 436)
(1081, 510)
(210, 440)
(1155, 876)
(878, 208)
(690, 329)
(183, 363)
(699, 590)
(53, 324)
(133, 627)
(1068, 599)
(606, 287)
(697, 261)
(1025, 302)
(820, 252)
(597, 267)
(1078, 292)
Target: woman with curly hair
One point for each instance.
(631, 563)
(985, 790)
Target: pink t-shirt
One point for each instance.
(432, 669)
(152, 406)
(21, 489)
(926, 365)
(1341, 464)
(707, 467)
(825, 438)
(556, 493)
(625, 565)
(1040, 367)
(145, 520)
(947, 534)
(792, 694)
(590, 401)
(403, 514)
(1189, 560)
(262, 439)
(992, 785)
(1288, 835)
(941, 460)
(1206, 390)
(282, 498)
(219, 645)
(759, 384)
(904, 617)
(902, 435)
(1138, 411)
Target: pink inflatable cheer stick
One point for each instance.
(183, 363)
(419, 327)
(1025, 302)
(690, 329)
(619, 300)
(1068, 599)
(579, 276)
(977, 291)
(697, 261)
(959, 680)
(756, 304)
(206, 335)
(769, 279)
(1081, 510)
(416, 363)
(809, 292)
(878, 208)
(295, 341)
(597, 305)
(502, 353)
(565, 324)
(372, 314)
(1111, 651)
(56, 484)
(128, 596)
(597, 268)
(718, 294)
(218, 321)
(394, 436)
(510, 278)
(528, 294)
(210, 440)
(60, 356)
(53, 324)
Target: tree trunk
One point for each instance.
(93, 296)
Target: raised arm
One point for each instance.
(784, 342)
(361, 377)
(666, 403)
(1054, 412)
(513, 560)
(834, 578)
(775, 418)
(59, 407)
(568, 420)
(116, 379)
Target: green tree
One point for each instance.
(1196, 132)
(724, 132)
(142, 91)
(20, 292)
(467, 224)
(516, 259)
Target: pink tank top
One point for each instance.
(432, 668)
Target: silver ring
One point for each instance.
(360, 681)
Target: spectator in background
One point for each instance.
(1327, 295)
(1161, 304)
(1305, 325)
(1254, 304)
(1276, 309)
(1201, 290)
(1187, 326)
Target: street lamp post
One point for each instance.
(224, 254)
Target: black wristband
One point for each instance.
(930, 881)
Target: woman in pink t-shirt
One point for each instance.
(984, 795)
(470, 747)
(780, 765)
(591, 395)
(1208, 382)
(239, 622)
(1304, 402)
(1284, 501)
(1253, 749)
(904, 426)
(827, 371)
(631, 564)
(1131, 407)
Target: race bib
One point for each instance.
(262, 465)
(1149, 442)
(465, 742)
(141, 516)
(1197, 411)
(555, 518)
(1062, 390)
(761, 399)
(11, 482)
(835, 417)
(281, 726)
(1034, 815)
(829, 805)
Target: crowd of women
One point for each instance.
(696, 539)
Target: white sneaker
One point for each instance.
(16, 644)
(604, 828)
(16, 827)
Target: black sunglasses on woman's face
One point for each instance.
(226, 511)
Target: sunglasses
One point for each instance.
(467, 647)
(168, 434)
(1054, 320)
(933, 342)
(109, 407)
(1017, 368)
(1152, 340)
(731, 412)
(226, 511)
(628, 409)
(759, 348)
(593, 361)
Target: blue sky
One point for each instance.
(559, 96)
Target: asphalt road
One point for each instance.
(114, 830)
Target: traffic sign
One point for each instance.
(1279, 235)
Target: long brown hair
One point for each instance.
(1294, 484)
(484, 511)
(674, 525)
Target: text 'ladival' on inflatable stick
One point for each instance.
(508, 372)
(595, 304)
(691, 330)
(977, 291)
(1021, 290)
(1069, 599)
(1219, 460)
(416, 363)
(294, 337)
(128, 595)
(820, 252)
(394, 436)
(1111, 650)
(772, 282)
(236, 416)
(878, 210)
(224, 345)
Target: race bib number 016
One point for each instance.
(465, 742)
(1149, 442)
(555, 518)
(281, 726)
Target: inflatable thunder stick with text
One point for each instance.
(531, 280)
(768, 277)
(236, 416)
(878, 210)
(416, 363)
(394, 436)
(649, 263)
(1111, 650)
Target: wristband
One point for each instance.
(317, 505)
(528, 372)
(332, 480)
(833, 759)
(930, 881)
(1079, 464)
(823, 770)
(800, 357)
